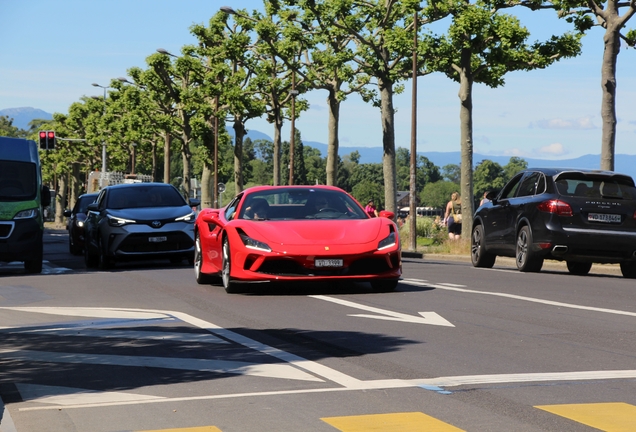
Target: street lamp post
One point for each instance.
(413, 171)
(104, 167)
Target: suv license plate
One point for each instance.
(603, 217)
(157, 239)
(328, 263)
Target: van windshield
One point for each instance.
(18, 181)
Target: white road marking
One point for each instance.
(440, 382)
(297, 361)
(73, 396)
(431, 318)
(124, 334)
(452, 287)
(269, 370)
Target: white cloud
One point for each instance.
(555, 149)
(580, 123)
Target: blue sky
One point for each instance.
(53, 50)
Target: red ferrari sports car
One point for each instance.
(296, 233)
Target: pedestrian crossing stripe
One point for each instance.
(192, 429)
(609, 416)
(402, 422)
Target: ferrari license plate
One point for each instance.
(157, 239)
(603, 217)
(329, 262)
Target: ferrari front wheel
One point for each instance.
(387, 285)
(202, 278)
(226, 269)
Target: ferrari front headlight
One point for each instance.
(251, 243)
(388, 241)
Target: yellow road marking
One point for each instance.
(192, 429)
(609, 417)
(402, 422)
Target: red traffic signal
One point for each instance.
(47, 140)
(50, 137)
(43, 140)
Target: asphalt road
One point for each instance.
(143, 347)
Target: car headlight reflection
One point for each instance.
(117, 222)
(187, 218)
(251, 243)
(388, 241)
(27, 214)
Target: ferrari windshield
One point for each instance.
(300, 203)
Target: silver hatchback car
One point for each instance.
(139, 221)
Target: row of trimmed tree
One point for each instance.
(246, 65)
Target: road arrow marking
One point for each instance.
(431, 318)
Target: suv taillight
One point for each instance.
(560, 208)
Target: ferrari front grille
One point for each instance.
(290, 267)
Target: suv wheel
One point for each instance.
(478, 254)
(527, 259)
(579, 268)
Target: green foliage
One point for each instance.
(367, 190)
(7, 129)
(437, 194)
(425, 227)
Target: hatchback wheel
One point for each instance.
(104, 261)
(579, 268)
(629, 270)
(90, 260)
(527, 259)
(478, 254)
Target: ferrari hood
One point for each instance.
(334, 232)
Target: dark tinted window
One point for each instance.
(144, 196)
(510, 189)
(83, 202)
(595, 186)
(529, 184)
(18, 180)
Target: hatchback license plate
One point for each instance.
(603, 217)
(157, 239)
(329, 263)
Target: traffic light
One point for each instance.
(47, 140)
(50, 137)
(43, 140)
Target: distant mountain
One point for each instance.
(624, 163)
(23, 116)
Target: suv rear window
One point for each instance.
(596, 187)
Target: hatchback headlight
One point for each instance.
(117, 222)
(27, 214)
(191, 217)
(251, 243)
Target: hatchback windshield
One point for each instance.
(144, 196)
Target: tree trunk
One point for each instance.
(608, 84)
(278, 126)
(207, 178)
(333, 144)
(466, 143)
(154, 161)
(239, 133)
(60, 200)
(186, 157)
(166, 157)
(388, 143)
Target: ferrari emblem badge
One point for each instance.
(326, 247)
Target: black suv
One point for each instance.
(574, 215)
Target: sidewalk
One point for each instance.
(509, 263)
